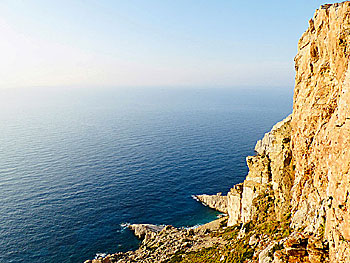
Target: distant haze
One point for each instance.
(150, 43)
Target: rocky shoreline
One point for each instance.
(161, 243)
(294, 205)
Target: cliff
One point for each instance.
(304, 162)
(271, 169)
(321, 130)
(294, 205)
(315, 184)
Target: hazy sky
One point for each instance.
(150, 42)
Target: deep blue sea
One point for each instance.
(75, 164)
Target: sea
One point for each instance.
(79, 164)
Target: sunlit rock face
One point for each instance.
(271, 168)
(321, 130)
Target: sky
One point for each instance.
(149, 43)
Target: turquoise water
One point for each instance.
(75, 164)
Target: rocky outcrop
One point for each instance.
(271, 167)
(234, 204)
(301, 248)
(162, 243)
(321, 130)
(270, 142)
(217, 202)
(145, 231)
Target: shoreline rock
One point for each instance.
(217, 202)
(161, 243)
(145, 231)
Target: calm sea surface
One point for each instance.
(75, 164)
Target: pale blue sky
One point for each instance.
(177, 43)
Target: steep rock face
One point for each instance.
(270, 168)
(321, 130)
(234, 204)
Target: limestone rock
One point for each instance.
(266, 256)
(269, 142)
(145, 231)
(217, 202)
(272, 166)
(321, 129)
(234, 204)
(161, 243)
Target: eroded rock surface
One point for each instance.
(321, 130)
(272, 166)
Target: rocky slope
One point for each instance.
(294, 205)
